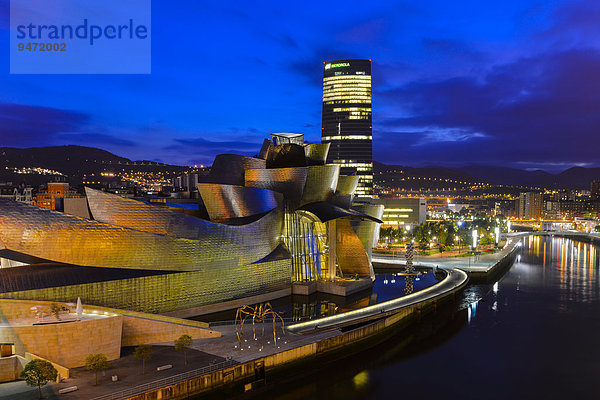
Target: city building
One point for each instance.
(595, 190)
(56, 190)
(529, 205)
(570, 209)
(264, 227)
(347, 119)
(401, 212)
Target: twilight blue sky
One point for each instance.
(455, 82)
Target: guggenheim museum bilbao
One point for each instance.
(264, 224)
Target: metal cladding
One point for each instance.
(229, 168)
(288, 181)
(368, 229)
(162, 293)
(321, 182)
(286, 155)
(316, 153)
(125, 244)
(324, 212)
(264, 150)
(343, 200)
(287, 137)
(351, 255)
(225, 202)
(347, 184)
(133, 214)
(268, 227)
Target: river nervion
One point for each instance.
(531, 334)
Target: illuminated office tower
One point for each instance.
(347, 122)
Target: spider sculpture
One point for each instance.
(259, 314)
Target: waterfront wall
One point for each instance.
(581, 236)
(244, 373)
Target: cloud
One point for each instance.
(310, 67)
(369, 31)
(202, 148)
(455, 49)
(573, 24)
(538, 108)
(27, 125)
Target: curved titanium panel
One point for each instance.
(368, 230)
(166, 292)
(229, 168)
(343, 200)
(321, 182)
(350, 253)
(286, 155)
(133, 214)
(325, 211)
(67, 239)
(316, 153)
(347, 184)
(224, 202)
(287, 181)
(266, 147)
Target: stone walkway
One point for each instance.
(226, 345)
(128, 370)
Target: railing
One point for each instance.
(161, 383)
(455, 279)
(286, 320)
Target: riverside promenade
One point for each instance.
(246, 366)
(477, 266)
(228, 366)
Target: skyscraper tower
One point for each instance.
(347, 122)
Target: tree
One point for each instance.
(96, 362)
(183, 343)
(56, 310)
(143, 352)
(422, 236)
(38, 373)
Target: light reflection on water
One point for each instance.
(531, 334)
(387, 286)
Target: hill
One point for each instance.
(439, 177)
(37, 165)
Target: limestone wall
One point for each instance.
(10, 368)
(69, 343)
(138, 331)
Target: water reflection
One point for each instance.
(387, 286)
(532, 334)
